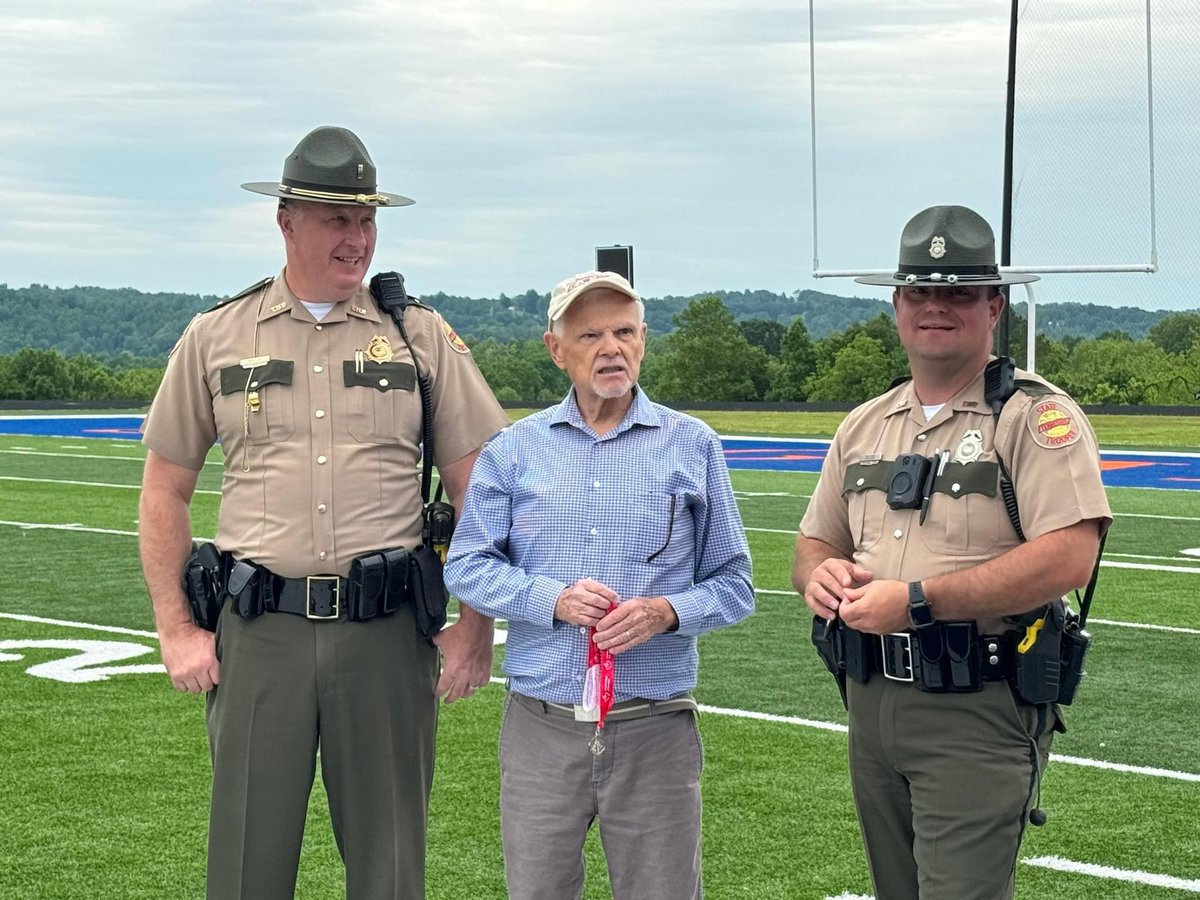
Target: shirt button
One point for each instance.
(322, 554)
(956, 487)
(595, 484)
(583, 629)
(920, 437)
(321, 460)
(383, 382)
(593, 532)
(318, 327)
(320, 414)
(897, 534)
(321, 507)
(860, 482)
(318, 368)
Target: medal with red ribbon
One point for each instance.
(599, 686)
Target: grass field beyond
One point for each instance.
(104, 775)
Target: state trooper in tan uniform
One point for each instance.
(919, 564)
(312, 393)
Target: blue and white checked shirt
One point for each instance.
(646, 509)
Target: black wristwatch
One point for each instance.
(920, 613)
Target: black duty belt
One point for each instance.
(945, 657)
(378, 585)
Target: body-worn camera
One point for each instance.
(908, 477)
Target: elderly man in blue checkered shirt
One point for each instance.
(605, 531)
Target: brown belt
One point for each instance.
(636, 708)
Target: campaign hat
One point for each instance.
(329, 165)
(946, 245)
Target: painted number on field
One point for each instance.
(91, 660)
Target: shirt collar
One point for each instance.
(641, 412)
(280, 299)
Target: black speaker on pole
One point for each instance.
(617, 258)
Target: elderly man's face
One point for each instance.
(600, 344)
(329, 248)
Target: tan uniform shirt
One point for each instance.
(322, 448)
(1046, 442)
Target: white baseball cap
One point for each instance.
(568, 291)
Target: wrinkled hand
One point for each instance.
(634, 622)
(466, 648)
(190, 655)
(585, 602)
(829, 584)
(880, 607)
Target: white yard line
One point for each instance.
(1059, 864)
(99, 484)
(836, 727)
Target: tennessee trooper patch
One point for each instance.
(937, 247)
(456, 343)
(970, 447)
(1051, 425)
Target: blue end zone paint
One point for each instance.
(1122, 468)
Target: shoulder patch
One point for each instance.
(456, 343)
(253, 289)
(1051, 424)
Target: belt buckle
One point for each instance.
(308, 596)
(897, 668)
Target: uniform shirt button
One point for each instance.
(383, 382)
(254, 384)
(322, 554)
(993, 647)
(321, 507)
(318, 327)
(897, 534)
(994, 660)
(321, 460)
(956, 487)
(860, 482)
(320, 413)
(318, 368)
(920, 437)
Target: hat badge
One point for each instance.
(937, 247)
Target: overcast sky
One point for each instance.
(530, 131)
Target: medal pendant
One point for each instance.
(596, 744)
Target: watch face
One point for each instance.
(919, 611)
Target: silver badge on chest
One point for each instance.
(970, 447)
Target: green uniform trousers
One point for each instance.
(361, 693)
(943, 784)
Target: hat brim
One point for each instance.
(1002, 279)
(272, 189)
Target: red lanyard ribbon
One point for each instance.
(600, 684)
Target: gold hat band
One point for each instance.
(330, 195)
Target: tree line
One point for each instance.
(101, 321)
(712, 357)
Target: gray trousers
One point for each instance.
(943, 784)
(361, 692)
(644, 788)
